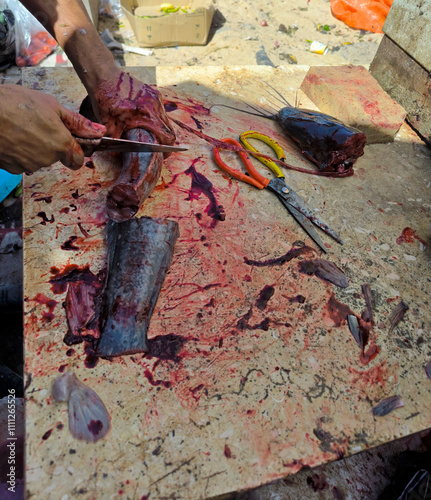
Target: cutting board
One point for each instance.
(261, 385)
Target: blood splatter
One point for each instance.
(368, 355)
(408, 235)
(149, 376)
(190, 106)
(265, 294)
(279, 261)
(195, 390)
(198, 123)
(46, 199)
(83, 231)
(68, 244)
(95, 427)
(337, 311)
(71, 274)
(376, 375)
(40, 298)
(165, 346)
(47, 434)
(243, 322)
(170, 106)
(91, 359)
(201, 185)
(300, 299)
(45, 219)
(76, 195)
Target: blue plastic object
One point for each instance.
(8, 182)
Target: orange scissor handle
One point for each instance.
(256, 179)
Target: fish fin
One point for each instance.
(88, 417)
(280, 97)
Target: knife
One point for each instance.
(89, 146)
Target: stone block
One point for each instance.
(352, 95)
(407, 82)
(408, 25)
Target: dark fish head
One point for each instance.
(329, 143)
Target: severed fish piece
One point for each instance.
(397, 315)
(387, 405)
(428, 369)
(88, 417)
(137, 179)
(80, 309)
(139, 255)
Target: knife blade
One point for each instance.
(89, 146)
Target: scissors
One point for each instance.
(291, 201)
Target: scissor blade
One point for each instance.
(291, 199)
(310, 216)
(305, 223)
(125, 146)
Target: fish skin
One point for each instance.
(359, 331)
(139, 255)
(387, 405)
(397, 315)
(325, 270)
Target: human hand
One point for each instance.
(122, 102)
(36, 131)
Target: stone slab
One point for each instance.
(408, 24)
(407, 82)
(352, 95)
(255, 394)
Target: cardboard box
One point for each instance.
(154, 29)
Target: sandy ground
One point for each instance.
(242, 28)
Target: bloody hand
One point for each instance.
(36, 131)
(122, 103)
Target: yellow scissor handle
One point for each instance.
(252, 134)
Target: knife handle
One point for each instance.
(89, 146)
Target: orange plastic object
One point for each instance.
(256, 179)
(41, 45)
(368, 15)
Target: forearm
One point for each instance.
(69, 23)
